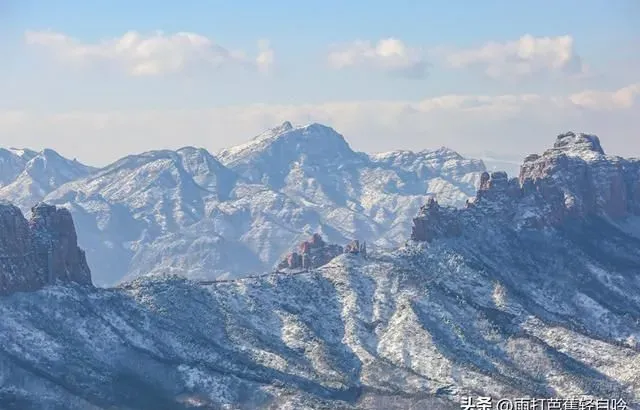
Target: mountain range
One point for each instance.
(239, 212)
(530, 289)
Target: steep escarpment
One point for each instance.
(39, 251)
(574, 180)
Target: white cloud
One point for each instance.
(506, 124)
(266, 57)
(389, 55)
(623, 98)
(146, 55)
(525, 56)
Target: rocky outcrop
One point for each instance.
(434, 221)
(315, 252)
(40, 251)
(356, 248)
(572, 180)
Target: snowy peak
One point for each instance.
(188, 212)
(572, 142)
(11, 165)
(573, 181)
(40, 174)
(153, 179)
(426, 162)
(286, 142)
(407, 157)
(271, 156)
(284, 127)
(207, 171)
(23, 153)
(163, 191)
(50, 167)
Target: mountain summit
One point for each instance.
(530, 291)
(572, 181)
(29, 176)
(191, 213)
(270, 157)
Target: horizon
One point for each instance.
(511, 163)
(495, 77)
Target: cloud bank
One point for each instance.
(506, 124)
(523, 57)
(389, 55)
(148, 55)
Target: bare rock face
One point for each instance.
(311, 253)
(39, 252)
(356, 248)
(315, 252)
(572, 180)
(434, 221)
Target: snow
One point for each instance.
(141, 214)
(408, 323)
(497, 310)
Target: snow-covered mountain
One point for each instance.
(531, 290)
(190, 213)
(12, 162)
(26, 177)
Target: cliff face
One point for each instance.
(315, 252)
(573, 180)
(40, 251)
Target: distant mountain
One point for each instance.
(26, 177)
(190, 213)
(12, 163)
(529, 290)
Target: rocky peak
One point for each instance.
(572, 180)
(285, 126)
(434, 221)
(40, 251)
(356, 248)
(315, 252)
(571, 141)
(272, 156)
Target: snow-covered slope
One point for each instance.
(357, 195)
(519, 294)
(190, 213)
(26, 177)
(531, 290)
(12, 163)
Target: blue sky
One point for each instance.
(403, 74)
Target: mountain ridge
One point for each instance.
(572, 180)
(36, 175)
(139, 214)
(497, 309)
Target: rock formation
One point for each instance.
(315, 252)
(572, 180)
(355, 247)
(40, 251)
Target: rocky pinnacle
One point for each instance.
(40, 251)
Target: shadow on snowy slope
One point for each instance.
(535, 313)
